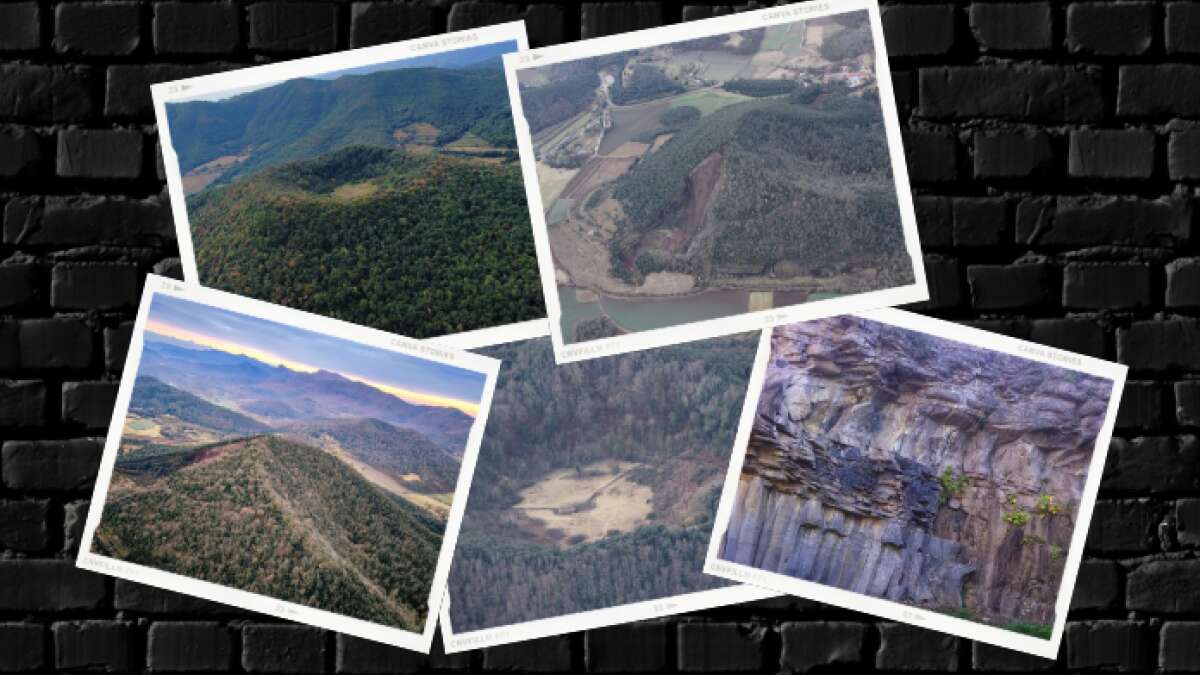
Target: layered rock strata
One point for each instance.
(921, 470)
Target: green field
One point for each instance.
(708, 101)
(776, 38)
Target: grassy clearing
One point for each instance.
(352, 191)
(708, 101)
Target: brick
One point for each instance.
(1153, 463)
(545, 24)
(1010, 327)
(944, 280)
(606, 18)
(45, 93)
(10, 344)
(1111, 153)
(68, 465)
(22, 285)
(989, 658)
(169, 267)
(356, 656)
(1008, 91)
(94, 286)
(74, 518)
(373, 23)
(1082, 336)
(1187, 521)
(22, 152)
(274, 648)
(195, 27)
(1106, 286)
(1006, 287)
(1016, 153)
(471, 14)
(129, 596)
(1012, 26)
(931, 156)
(727, 647)
(1183, 155)
(65, 221)
(89, 404)
(188, 646)
(21, 647)
(1097, 586)
(627, 648)
(55, 343)
(20, 28)
(918, 30)
(1177, 646)
(935, 221)
(49, 586)
(1183, 283)
(293, 26)
(810, 644)
(904, 647)
(1111, 645)
(981, 221)
(1160, 345)
(1167, 586)
(97, 27)
(1082, 221)
(904, 89)
(94, 645)
(127, 86)
(116, 345)
(1187, 403)
(23, 525)
(1126, 526)
(22, 403)
(1110, 28)
(1160, 90)
(1183, 28)
(1142, 405)
(543, 655)
(100, 153)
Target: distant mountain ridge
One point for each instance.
(284, 395)
(305, 118)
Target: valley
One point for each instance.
(693, 168)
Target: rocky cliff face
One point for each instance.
(921, 470)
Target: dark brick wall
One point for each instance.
(1055, 154)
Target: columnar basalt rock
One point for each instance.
(921, 470)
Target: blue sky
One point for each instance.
(279, 344)
(456, 58)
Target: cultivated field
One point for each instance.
(587, 504)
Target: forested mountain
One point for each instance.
(282, 519)
(152, 397)
(402, 454)
(285, 396)
(791, 173)
(672, 412)
(420, 245)
(305, 118)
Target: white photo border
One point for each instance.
(587, 620)
(899, 295)
(422, 641)
(1045, 648)
(275, 73)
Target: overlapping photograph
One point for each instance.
(706, 178)
(288, 464)
(595, 490)
(379, 186)
(921, 471)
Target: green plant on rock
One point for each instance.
(1048, 506)
(1055, 551)
(1016, 516)
(952, 485)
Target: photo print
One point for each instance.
(920, 471)
(594, 491)
(715, 176)
(379, 186)
(288, 464)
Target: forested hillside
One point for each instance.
(420, 245)
(305, 118)
(281, 519)
(671, 411)
(151, 398)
